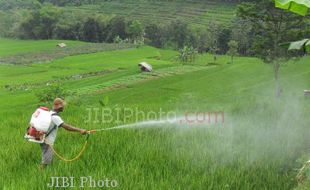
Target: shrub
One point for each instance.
(48, 95)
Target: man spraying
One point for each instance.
(56, 122)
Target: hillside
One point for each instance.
(196, 14)
(258, 146)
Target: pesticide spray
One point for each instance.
(181, 121)
(150, 123)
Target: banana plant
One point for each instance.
(299, 7)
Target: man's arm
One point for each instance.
(73, 129)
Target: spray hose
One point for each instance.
(76, 157)
(83, 148)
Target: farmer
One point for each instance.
(47, 153)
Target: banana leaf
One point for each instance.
(297, 6)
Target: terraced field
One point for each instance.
(196, 14)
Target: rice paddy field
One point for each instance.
(195, 13)
(261, 143)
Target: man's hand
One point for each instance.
(83, 131)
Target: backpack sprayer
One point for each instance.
(39, 125)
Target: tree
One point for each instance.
(177, 33)
(7, 21)
(93, 30)
(212, 35)
(201, 36)
(40, 23)
(154, 35)
(135, 30)
(48, 17)
(243, 34)
(233, 49)
(223, 38)
(271, 26)
(70, 27)
(116, 27)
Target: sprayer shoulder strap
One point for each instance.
(53, 128)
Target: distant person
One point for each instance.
(47, 152)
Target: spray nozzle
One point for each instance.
(91, 131)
